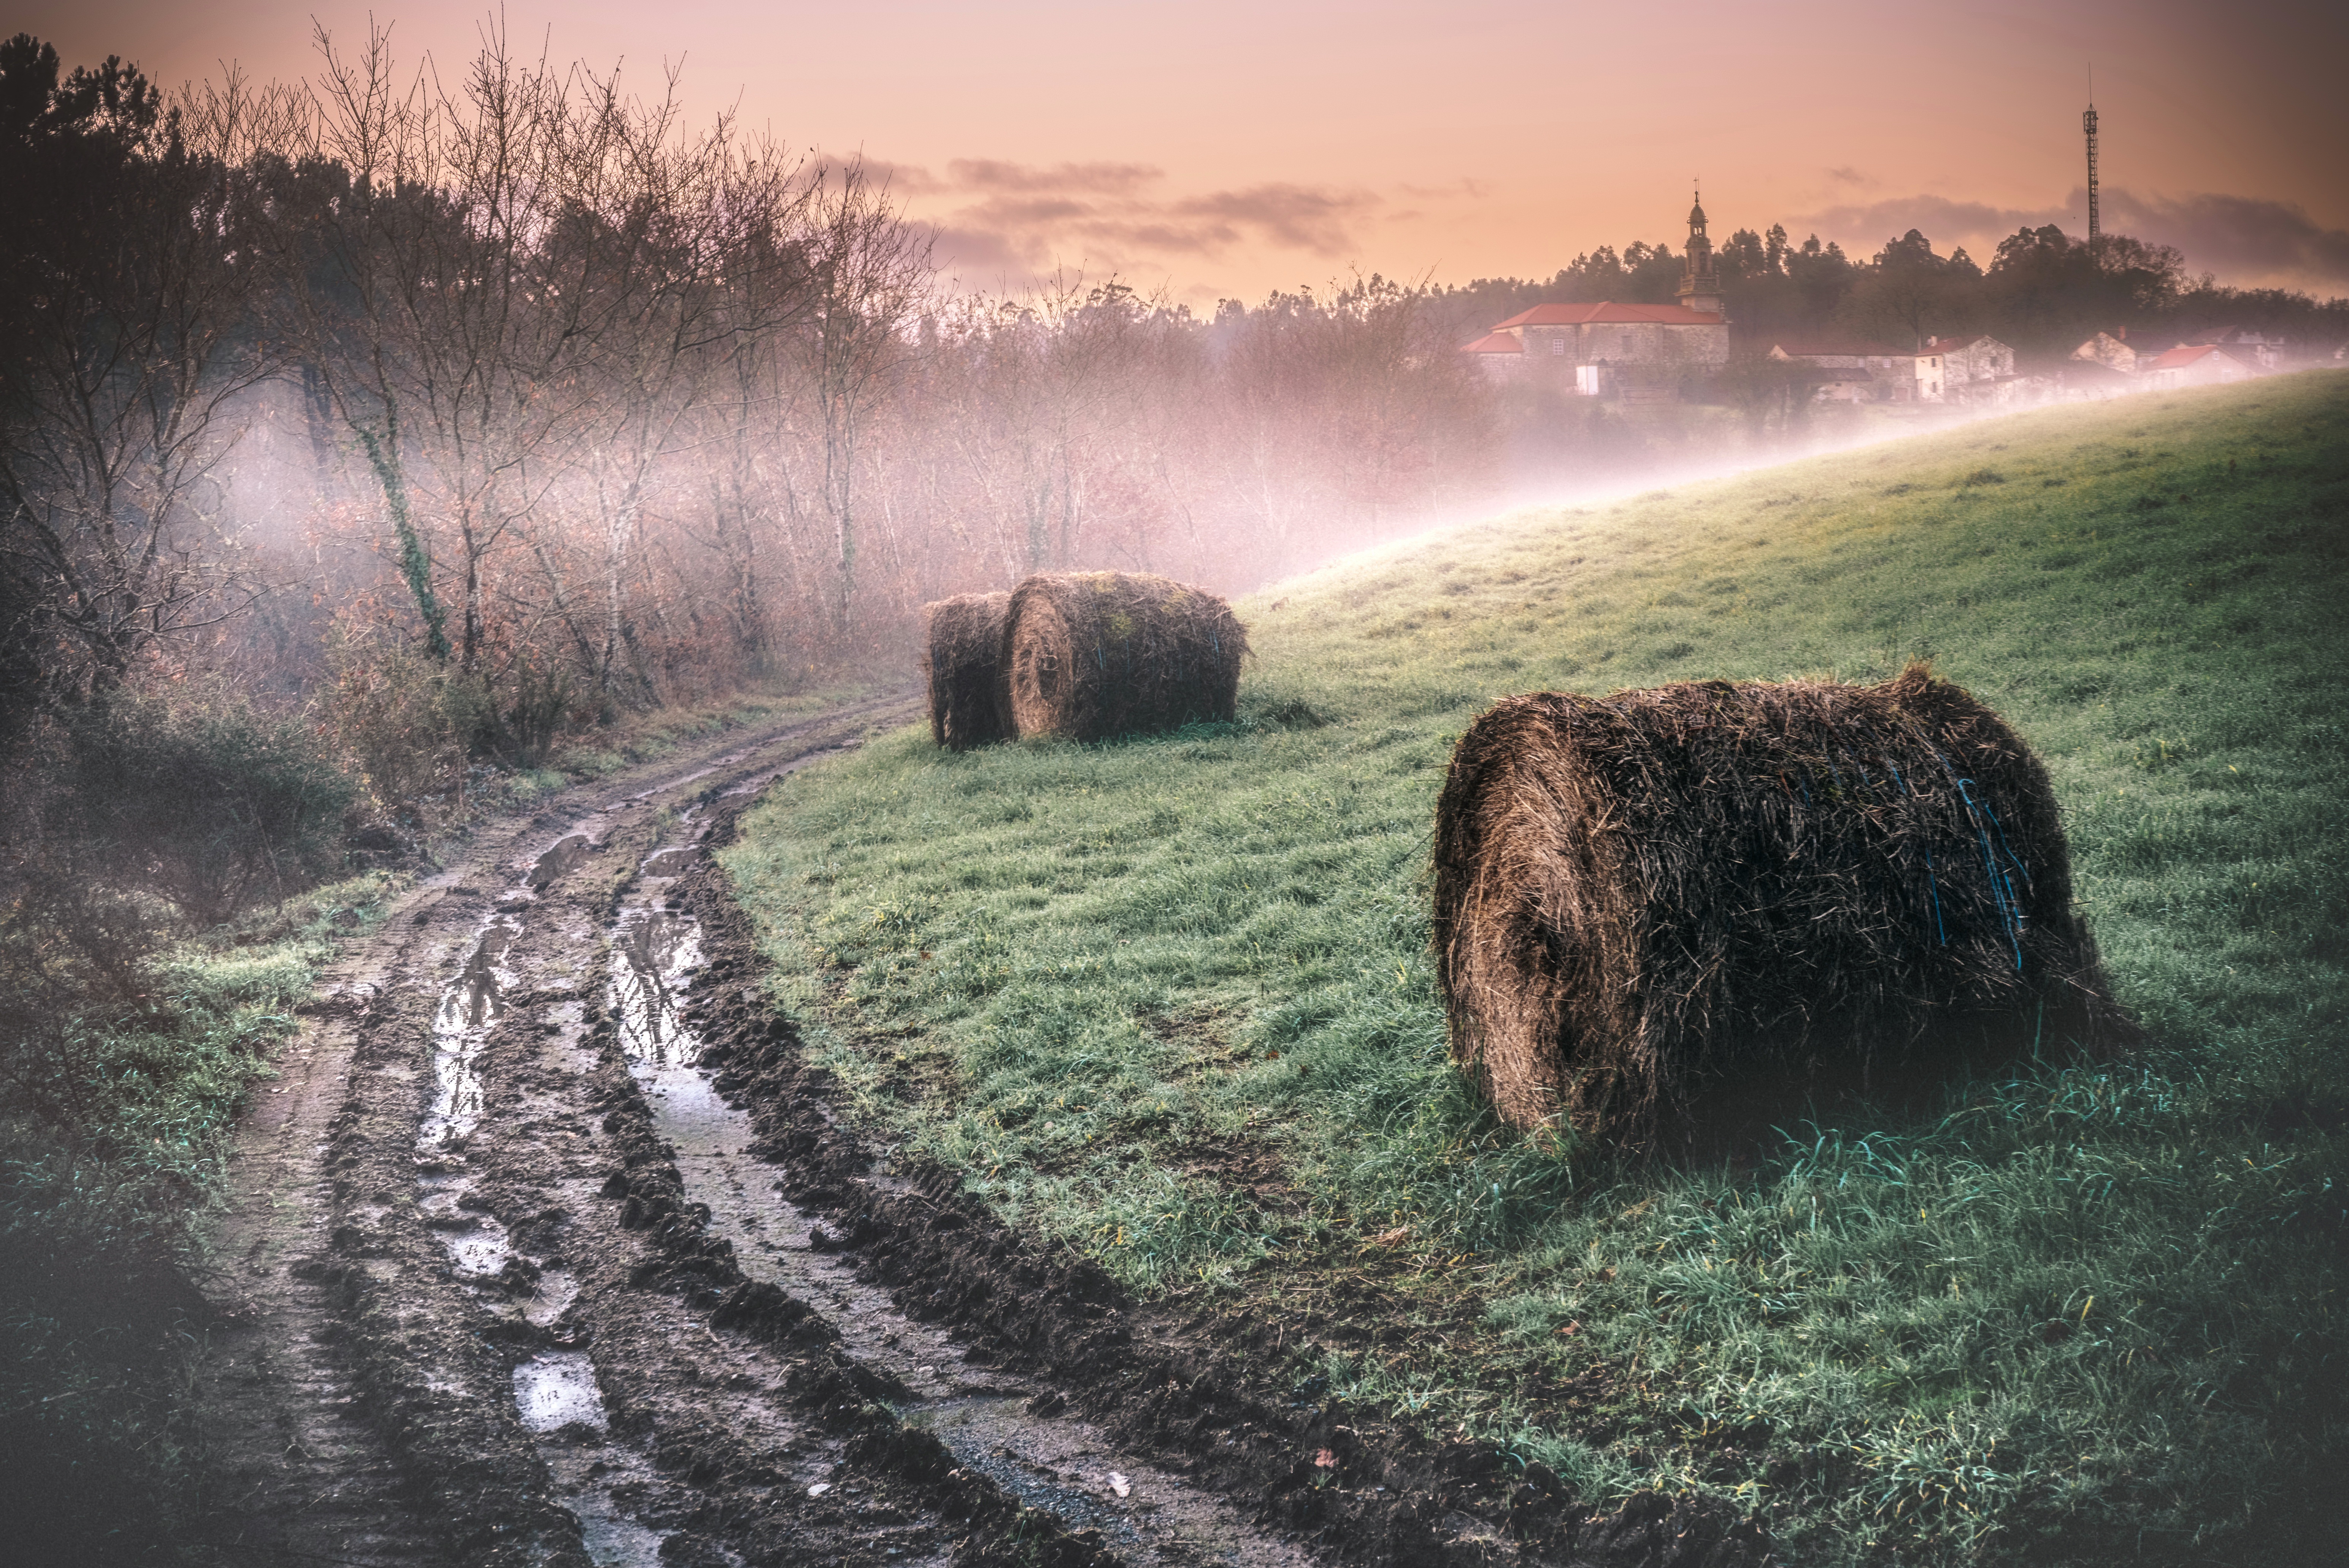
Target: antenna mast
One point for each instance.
(2088, 123)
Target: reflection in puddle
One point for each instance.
(555, 1391)
(556, 1397)
(468, 1008)
(583, 1478)
(481, 1250)
(556, 1290)
(655, 953)
(560, 860)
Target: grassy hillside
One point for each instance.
(2075, 1314)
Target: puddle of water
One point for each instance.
(557, 1289)
(556, 1397)
(669, 863)
(655, 954)
(557, 1388)
(560, 860)
(468, 1008)
(582, 1480)
(478, 1247)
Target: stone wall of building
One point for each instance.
(1564, 349)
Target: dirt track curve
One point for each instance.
(548, 1248)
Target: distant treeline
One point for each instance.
(2043, 292)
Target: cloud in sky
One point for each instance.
(2240, 237)
(2246, 240)
(1119, 179)
(995, 218)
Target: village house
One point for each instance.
(1977, 368)
(2109, 349)
(2255, 350)
(1850, 370)
(2197, 365)
(1639, 353)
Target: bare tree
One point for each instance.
(869, 276)
(126, 339)
(469, 365)
(675, 234)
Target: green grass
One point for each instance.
(95, 1322)
(2073, 1313)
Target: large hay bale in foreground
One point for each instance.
(1097, 653)
(969, 704)
(1639, 892)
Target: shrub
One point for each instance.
(395, 719)
(409, 724)
(207, 805)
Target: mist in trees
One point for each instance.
(590, 410)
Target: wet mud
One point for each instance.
(563, 1254)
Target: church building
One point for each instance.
(1640, 353)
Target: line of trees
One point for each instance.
(2044, 291)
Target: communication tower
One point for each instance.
(2088, 123)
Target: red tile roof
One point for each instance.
(1494, 342)
(2183, 356)
(1606, 313)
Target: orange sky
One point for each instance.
(1218, 148)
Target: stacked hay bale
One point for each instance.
(970, 703)
(1092, 654)
(1637, 893)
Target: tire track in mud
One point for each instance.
(502, 1283)
(988, 1425)
(353, 1403)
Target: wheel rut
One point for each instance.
(503, 1278)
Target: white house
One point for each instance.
(2196, 364)
(1969, 369)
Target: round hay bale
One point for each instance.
(1097, 653)
(1638, 892)
(964, 665)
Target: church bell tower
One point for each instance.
(1700, 278)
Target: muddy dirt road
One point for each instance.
(548, 1247)
(502, 1280)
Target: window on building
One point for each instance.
(1558, 345)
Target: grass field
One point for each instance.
(2072, 1313)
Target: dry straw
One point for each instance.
(1637, 894)
(969, 704)
(1099, 653)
